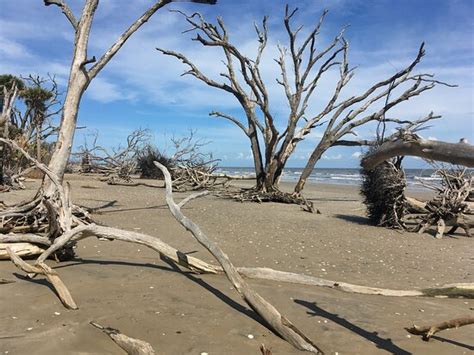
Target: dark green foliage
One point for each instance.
(35, 97)
(383, 190)
(8, 80)
(145, 160)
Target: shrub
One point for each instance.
(145, 160)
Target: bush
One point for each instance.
(145, 160)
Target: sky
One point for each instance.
(141, 88)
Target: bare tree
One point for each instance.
(80, 76)
(308, 64)
(119, 162)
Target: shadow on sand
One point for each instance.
(364, 221)
(381, 343)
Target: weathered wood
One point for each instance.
(280, 324)
(43, 269)
(416, 205)
(454, 153)
(429, 330)
(20, 249)
(131, 345)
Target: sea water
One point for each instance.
(341, 176)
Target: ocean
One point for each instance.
(341, 176)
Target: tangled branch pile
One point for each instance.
(383, 190)
(451, 205)
(117, 164)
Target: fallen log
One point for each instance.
(454, 153)
(429, 330)
(260, 273)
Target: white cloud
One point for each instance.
(104, 91)
(356, 155)
(332, 157)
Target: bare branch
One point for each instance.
(107, 56)
(230, 118)
(65, 9)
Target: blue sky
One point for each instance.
(141, 88)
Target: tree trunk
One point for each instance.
(308, 169)
(77, 84)
(257, 157)
(454, 153)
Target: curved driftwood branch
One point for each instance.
(51, 275)
(429, 330)
(455, 153)
(131, 345)
(268, 312)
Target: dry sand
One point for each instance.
(128, 287)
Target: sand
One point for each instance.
(128, 287)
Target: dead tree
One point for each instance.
(83, 70)
(8, 97)
(410, 144)
(271, 148)
(449, 207)
(191, 168)
(117, 164)
(383, 190)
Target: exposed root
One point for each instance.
(50, 215)
(383, 190)
(260, 196)
(450, 206)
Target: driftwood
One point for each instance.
(43, 269)
(63, 220)
(454, 153)
(449, 207)
(131, 345)
(280, 324)
(429, 330)
(264, 350)
(20, 249)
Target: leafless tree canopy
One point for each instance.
(302, 63)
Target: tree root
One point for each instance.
(428, 331)
(260, 196)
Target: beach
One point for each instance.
(128, 287)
